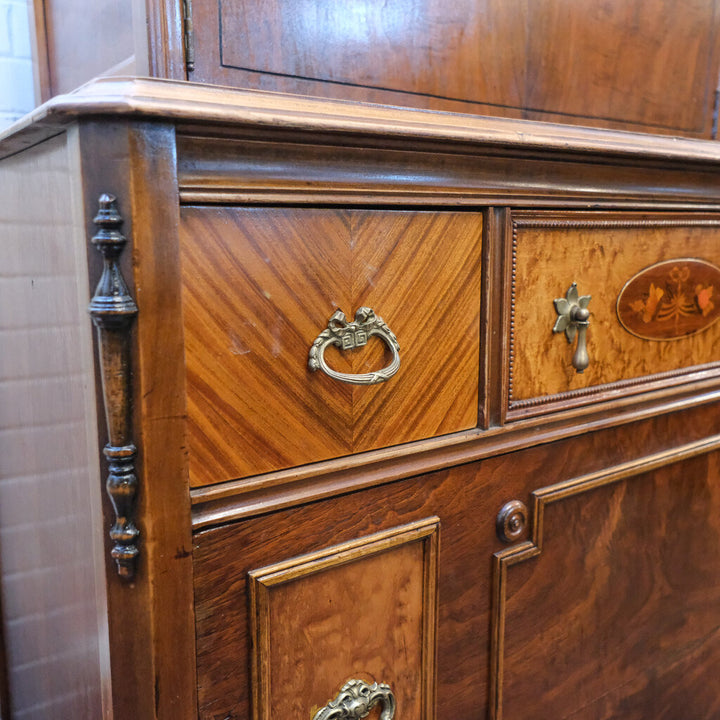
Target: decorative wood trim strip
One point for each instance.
(589, 223)
(260, 582)
(238, 499)
(540, 499)
(113, 311)
(534, 406)
(162, 98)
(612, 387)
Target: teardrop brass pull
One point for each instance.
(574, 319)
(347, 336)
(355, 701)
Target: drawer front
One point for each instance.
(654, 284)
(261, 284)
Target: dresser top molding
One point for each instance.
(190, 103)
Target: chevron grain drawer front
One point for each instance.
(259, 285)
(651, 285)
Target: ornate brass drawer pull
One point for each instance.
(355, 701)
(347, 336)
(574, 319)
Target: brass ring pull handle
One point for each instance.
(351, 335)
(355, 701)
(574, 319)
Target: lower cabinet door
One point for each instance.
(597, 597)
(612, 610)
(348, 628)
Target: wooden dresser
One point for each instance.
(401, 410)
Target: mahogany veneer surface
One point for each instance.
(618, 63)
(259, 285)
(617, 617)
(645, 586)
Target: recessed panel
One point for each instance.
(649, 273)
(363, 611)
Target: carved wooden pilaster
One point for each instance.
(113, 311)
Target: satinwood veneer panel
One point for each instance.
(618, 63)
(611, 612)
(601, 253)
(359, 610)
(260, 284)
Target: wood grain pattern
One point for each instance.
(84, 39)
(151, 618)
(644, 63)
(466, 498)
(259, 286)
(227, 170)
(601, 253)
(53, 586)
(612, 63)
(365, 609)
(611, 609)
(258, 114)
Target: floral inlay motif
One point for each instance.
(671, 299)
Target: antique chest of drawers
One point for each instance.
(404, 412)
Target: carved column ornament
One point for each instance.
(113, 311)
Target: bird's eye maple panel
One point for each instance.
(259, 285)
(654, 288)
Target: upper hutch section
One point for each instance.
(646, 65)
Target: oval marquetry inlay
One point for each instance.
(671, 299)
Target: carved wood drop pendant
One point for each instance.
(113, 311)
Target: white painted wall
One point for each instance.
(17, 94)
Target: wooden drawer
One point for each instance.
(258, 287)
(655, 288)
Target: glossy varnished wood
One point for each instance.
(79, 41)
(367, 610)
(610, 64)
(142, 633)
(467, 499)
(611, 609)
(259, 285)
(601, 253)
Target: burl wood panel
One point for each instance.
(53, 585)
(618, 615)
(361, 610)
(617, 63)
(259, 285)
(601, 253)
(467, 499)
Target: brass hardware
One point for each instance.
(188, 36)
(113, 310)
(511, 521)
(355, 701)
(348, 336)
(574, 319)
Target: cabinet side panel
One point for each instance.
(85, 39)
(53, 595)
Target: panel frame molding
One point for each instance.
(262, 580)
(668, 380)
(540, 500)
